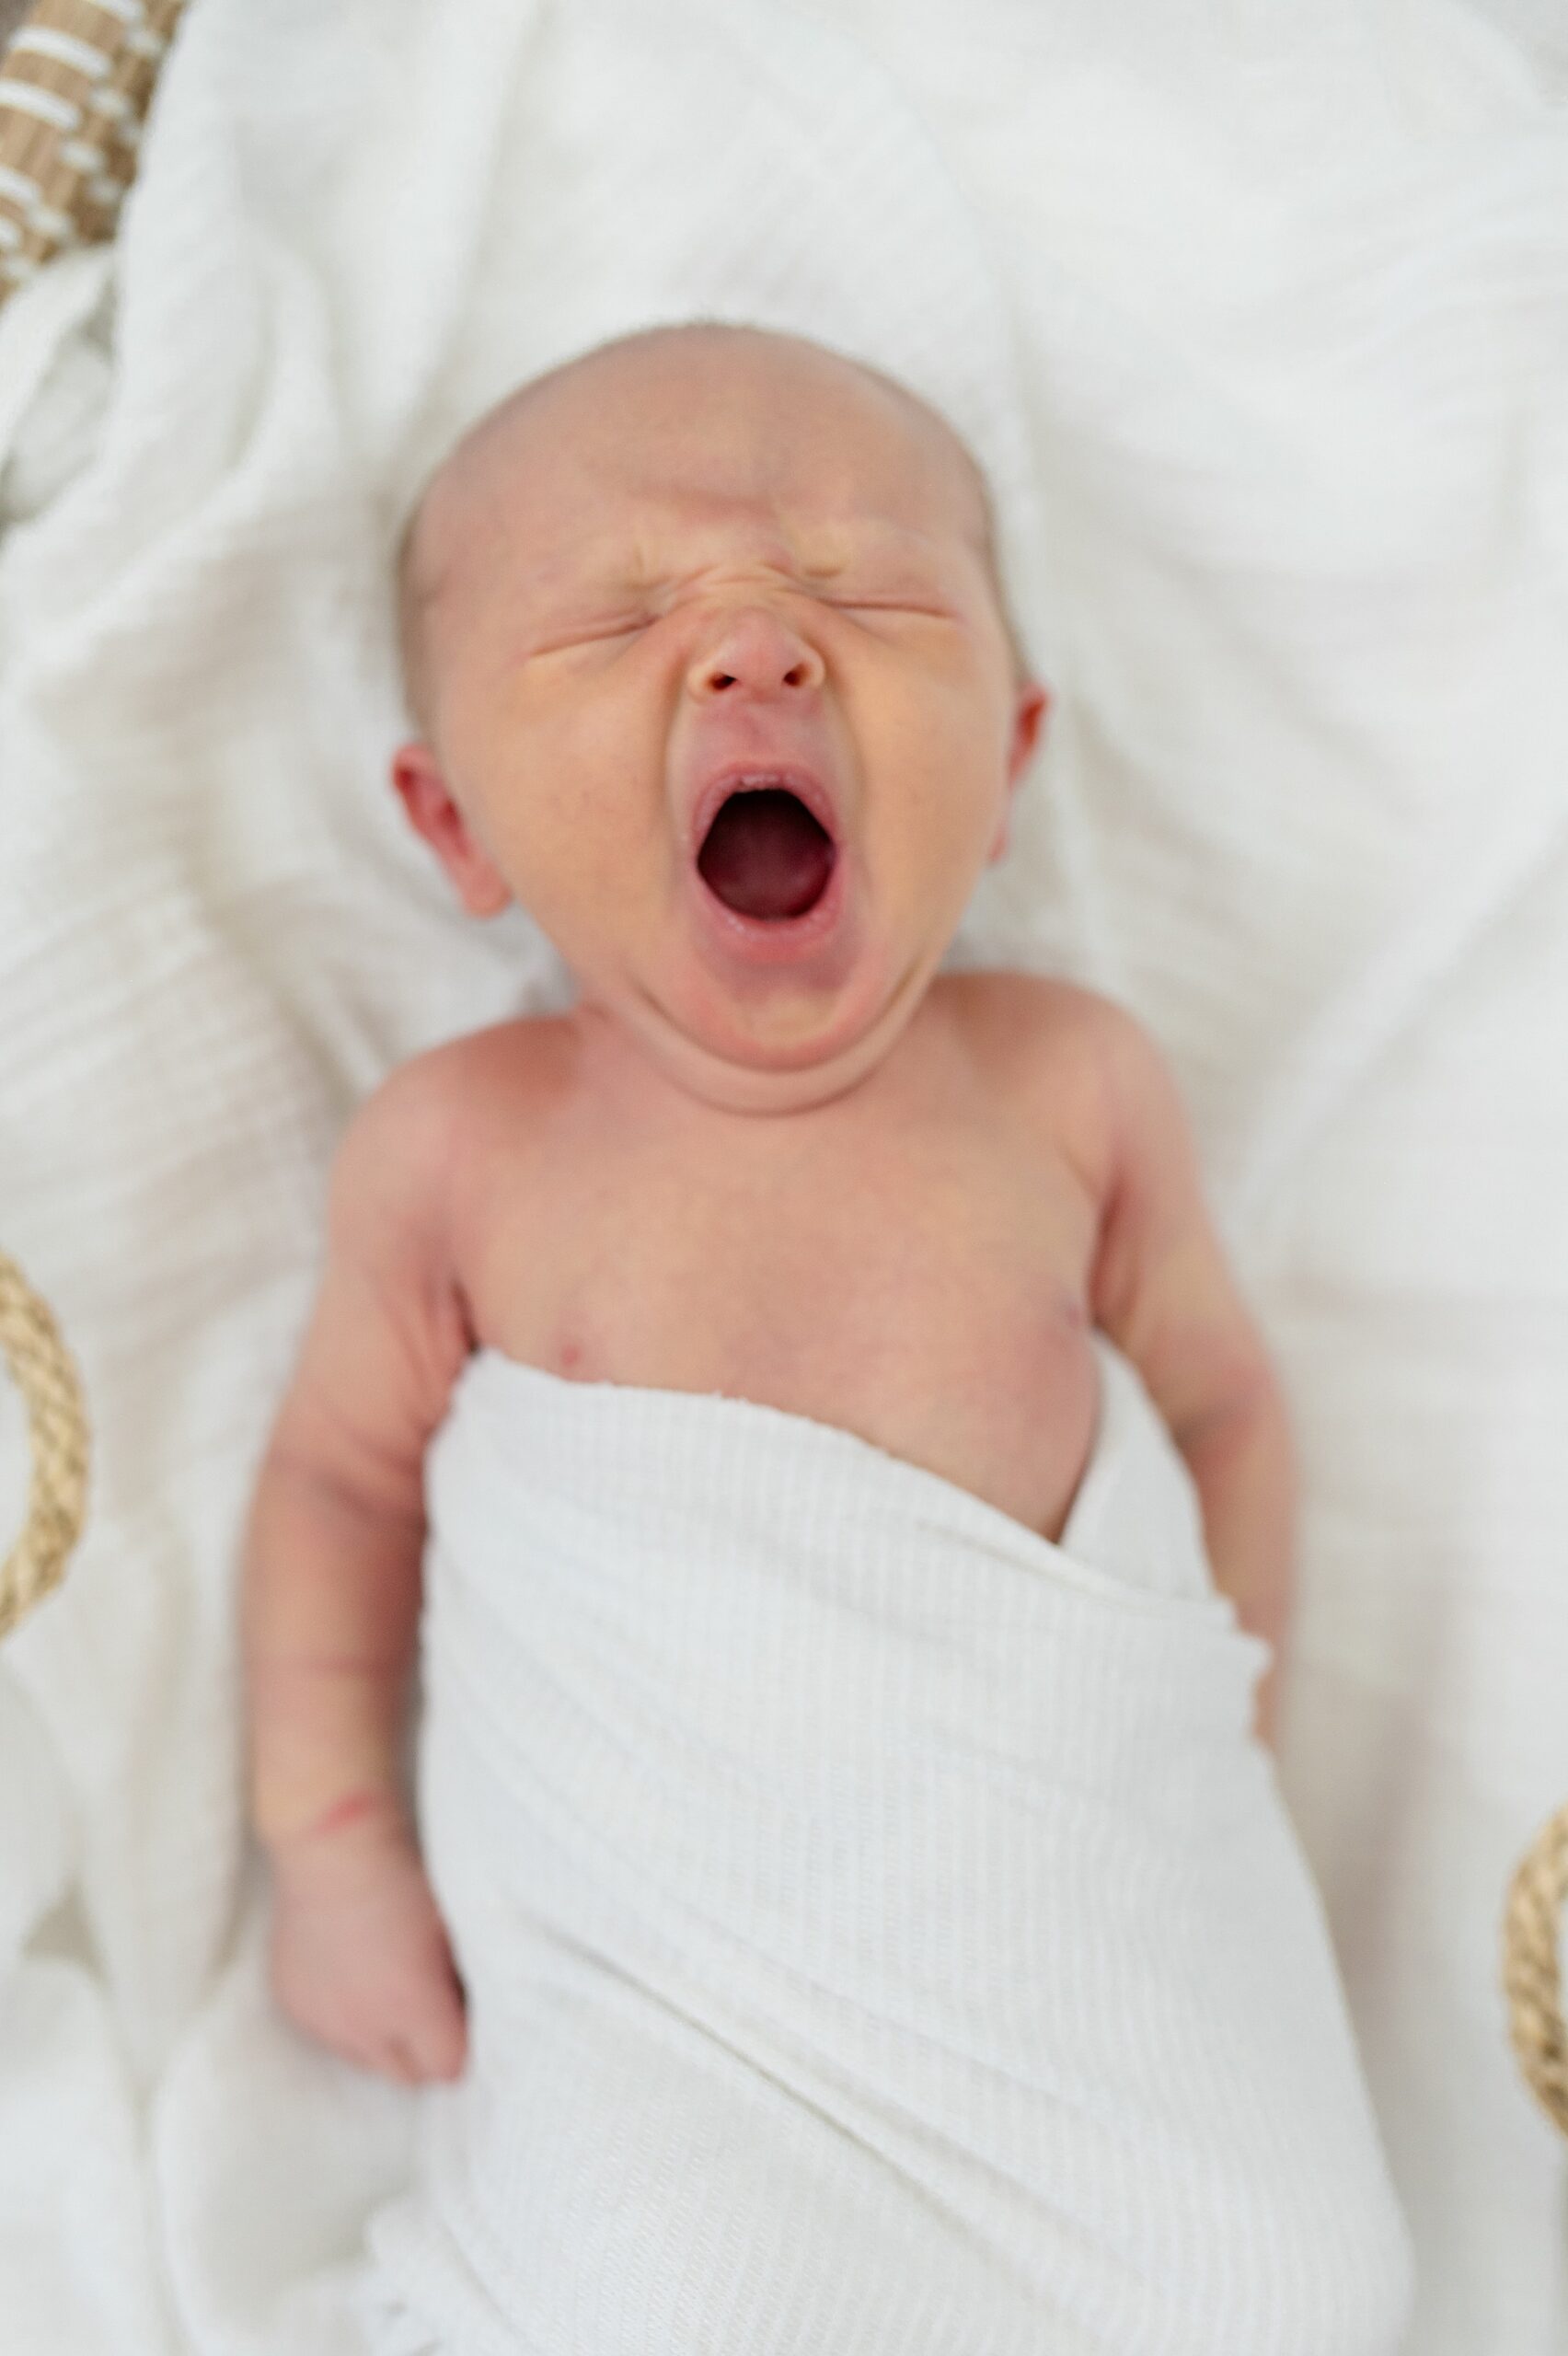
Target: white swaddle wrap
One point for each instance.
(881, 1933)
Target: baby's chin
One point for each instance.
(774, 1044)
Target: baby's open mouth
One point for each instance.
(765, 855)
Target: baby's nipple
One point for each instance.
(765, 856)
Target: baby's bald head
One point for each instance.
(655, 386)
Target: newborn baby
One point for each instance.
(712, 671)
(844, 1876)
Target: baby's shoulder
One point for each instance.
(1022, 1024)
(460, 1077)
(1060, 1057)
(432, 1117)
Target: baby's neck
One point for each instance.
(669, 1078)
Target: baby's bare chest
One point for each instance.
(925, 1288)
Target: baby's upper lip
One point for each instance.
(715, 783)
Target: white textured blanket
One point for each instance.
(1269, 300)
(881, 1933)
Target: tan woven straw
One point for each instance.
(1532, 1969)
(73, 89)
(57, 1432)
(75, 84)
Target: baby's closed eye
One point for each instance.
(876, 589)
(869, 605)
(590, 633)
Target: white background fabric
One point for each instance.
(1266, 307)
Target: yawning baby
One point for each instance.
(793, 1404)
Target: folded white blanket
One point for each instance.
(881, 1933)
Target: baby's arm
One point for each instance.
(1163, 1293)
(331, 1600)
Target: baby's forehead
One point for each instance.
(683, 427)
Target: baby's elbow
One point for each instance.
(1241, 1403)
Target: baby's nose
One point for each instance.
(755, 653)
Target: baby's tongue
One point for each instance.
(765, 855)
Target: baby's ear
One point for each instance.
(434, 814)
(1029, 714)
(1029, 718)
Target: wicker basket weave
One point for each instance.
(57, 1431)
(1532, 1969)
(74, 90)
(75, 82)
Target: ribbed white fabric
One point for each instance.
(882, 1936)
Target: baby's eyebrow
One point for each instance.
(893, 561)
(587, 564)
(859, 542)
